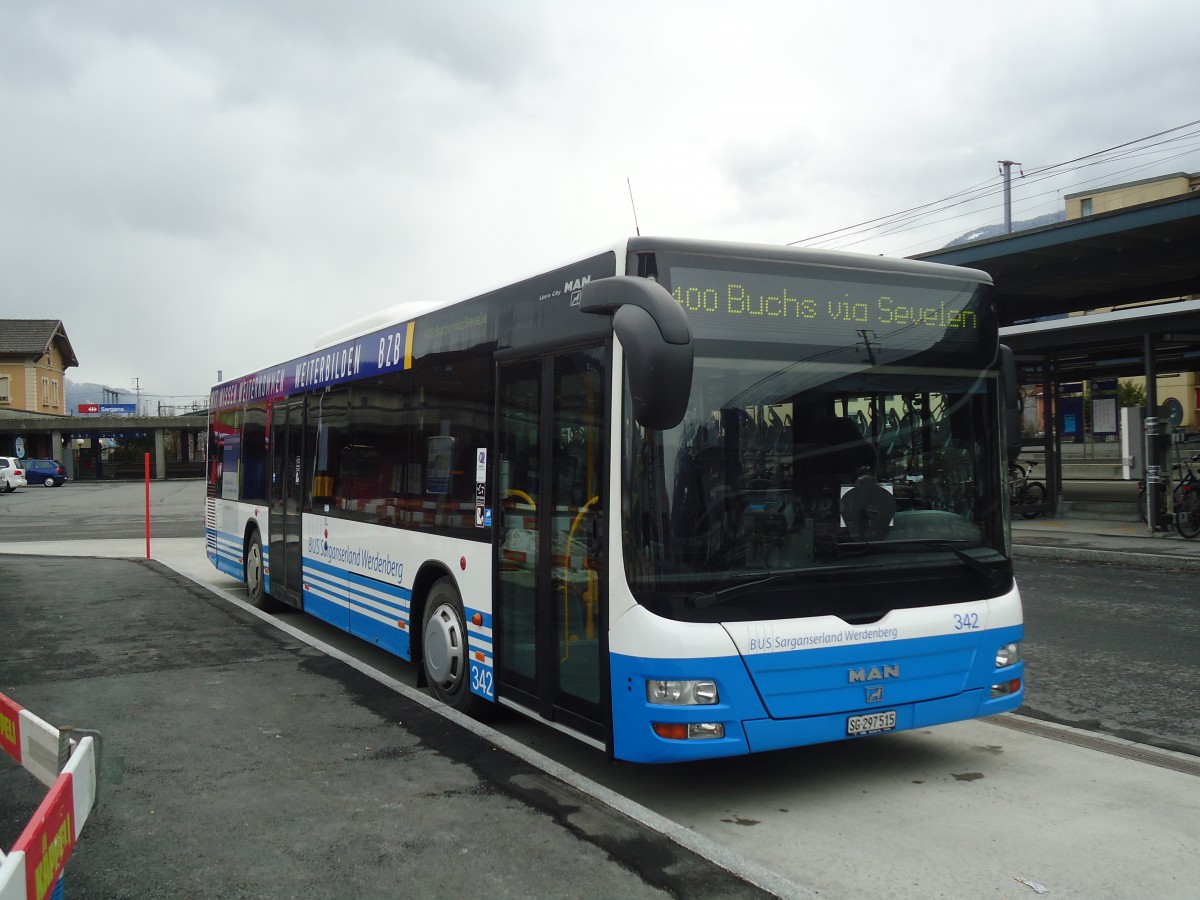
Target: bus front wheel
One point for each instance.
(444, 648)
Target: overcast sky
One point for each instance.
(194, 187)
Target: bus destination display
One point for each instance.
(825, 311)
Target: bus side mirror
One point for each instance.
(654, 332)
(1010, 391)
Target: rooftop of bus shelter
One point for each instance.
(1135, 255)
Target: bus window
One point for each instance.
(327, 427)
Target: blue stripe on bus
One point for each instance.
(225, 552)
(480, 634)
(376, 611)
(324, 597)
(750, 728)
(479, 647)
(266, 564)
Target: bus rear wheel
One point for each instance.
(444, 648)
(256, 588)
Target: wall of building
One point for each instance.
(13, 376)
(1118, 197)
(36, 385)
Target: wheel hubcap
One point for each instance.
(253, 572)
(445, 651)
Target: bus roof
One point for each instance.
(811, 256)
(344, 340)
(743, 250)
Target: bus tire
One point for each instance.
(444, 648)
(256, 590)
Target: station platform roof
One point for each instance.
(1112, 344)
(1134, 255)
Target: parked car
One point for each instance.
(49, 472)
(12, 474)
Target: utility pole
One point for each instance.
(137, 390)
(1006, 170)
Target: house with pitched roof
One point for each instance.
(34, 357)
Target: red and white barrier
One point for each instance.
(34, 866)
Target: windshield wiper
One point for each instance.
(705, 599)
(980, 568)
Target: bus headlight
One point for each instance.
(681, 693)
(1008, 655)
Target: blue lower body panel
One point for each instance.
(225, 552)
(779, 734)
(373, 610)
(920, 693)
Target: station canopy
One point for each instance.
(1141, 262)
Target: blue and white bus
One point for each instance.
(680, 499)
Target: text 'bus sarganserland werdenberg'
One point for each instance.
(681, 499)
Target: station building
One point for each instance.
(36, 420)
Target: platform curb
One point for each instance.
(1124, 557)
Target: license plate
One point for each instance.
(871, 723)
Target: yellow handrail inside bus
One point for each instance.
(513, 492)
(589, 596)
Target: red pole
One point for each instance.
(147, 506)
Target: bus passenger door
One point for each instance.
(287, 440)
(550, 628)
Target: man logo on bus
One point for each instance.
(875, 673)
(575, 288)
(875, 694)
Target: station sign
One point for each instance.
(107, 408)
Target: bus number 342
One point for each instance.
(966, 621)
(481, 681)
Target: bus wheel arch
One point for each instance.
(444, 645)
(427, 576)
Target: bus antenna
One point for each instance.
(636, 227)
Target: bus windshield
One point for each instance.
(814, 455)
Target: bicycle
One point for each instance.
(1185, 494)
(1022, 492)
(1187, 499)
